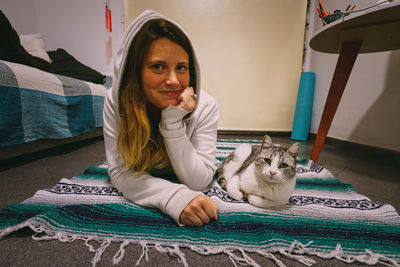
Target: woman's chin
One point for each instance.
(169, 103)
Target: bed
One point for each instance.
(39, 109)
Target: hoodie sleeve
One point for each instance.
(191, 146)
(143, 189)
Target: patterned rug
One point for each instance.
(324, 217)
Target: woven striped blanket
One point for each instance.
(324, 217)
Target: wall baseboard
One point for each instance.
(254, 133)
(311, 137)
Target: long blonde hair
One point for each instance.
(139, 141)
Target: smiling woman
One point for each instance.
(155, 126)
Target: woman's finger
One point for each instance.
(197, 218)
(203, 216)
(195, 221)
(211, 208)
(185, 99)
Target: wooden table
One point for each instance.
(373, 30)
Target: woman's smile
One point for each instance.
(171, 93)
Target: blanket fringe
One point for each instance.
(174, 250)
(271, 256)
(98, 251)
(369, 258)
(300, 250)
(121, 252)
(238, 256)
(296, 251)
(144, 252)
(245, 259)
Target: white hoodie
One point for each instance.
(191, 144)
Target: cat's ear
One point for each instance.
(293, 150)
(267, 142)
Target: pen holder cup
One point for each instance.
(332, 17)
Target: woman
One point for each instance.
(158, 123)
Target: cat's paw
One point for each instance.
(261, 201)
(237, 195)
(233, 188)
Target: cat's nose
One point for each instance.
(272, 173)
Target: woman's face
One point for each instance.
(165, 73)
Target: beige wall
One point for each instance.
(249, 52)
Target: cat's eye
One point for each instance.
(268, 161)
(283, 165)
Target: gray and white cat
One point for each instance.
(265, 175)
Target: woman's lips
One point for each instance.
(169, 93)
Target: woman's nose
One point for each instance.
(172, 79)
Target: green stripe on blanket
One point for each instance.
(324, 217)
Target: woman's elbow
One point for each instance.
(116, 178)
(203, 183)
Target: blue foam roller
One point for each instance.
(302, 115)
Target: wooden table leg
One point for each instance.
(344, 65)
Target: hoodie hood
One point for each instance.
(129, 35)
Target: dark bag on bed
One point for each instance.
(67, 65)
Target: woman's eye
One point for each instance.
(268, 161)
(182, 68)
(283, 165)
(157, 67)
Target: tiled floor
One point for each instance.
(372, 172)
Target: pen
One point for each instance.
(320, 14)
(348, 7)
(109, 21)
(353, 8)
(322, 8)
(106, 17)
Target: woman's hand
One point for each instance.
(199, 211)
(186, 99)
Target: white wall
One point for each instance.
(249, 53)
(74, 25)
(369, 112)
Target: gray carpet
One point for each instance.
(373, 172)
